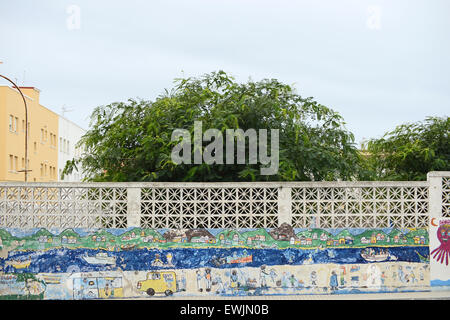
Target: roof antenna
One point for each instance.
(64, 110)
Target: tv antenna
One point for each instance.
(64, 110)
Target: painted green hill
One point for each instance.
(229, 234)
(5, 235)
(418, 232)
(104, 233)
(137, 232)
(39, 233)
(259, 232)
(310, 233)
(344, 233)
(152, 232)
(69, 233)
(395, 232)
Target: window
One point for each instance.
(23, 125)
(11, 162)
(42, 135)
(35, 147)
(23, 163)
(16, 163)
(45, 170)
(16, 121)
(42, 169)
(11, 123)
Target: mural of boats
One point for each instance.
(308, 260)
(127, 247)
(51, 278)
(100, 258)
(243, 258)
(218, 261)
(20, 264)
(371, 255)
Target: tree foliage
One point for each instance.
(131, 141)
(411, 150)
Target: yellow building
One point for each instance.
(42, 137)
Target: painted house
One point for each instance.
(323, 237)
(146, 239)
(364, 240)
(348, 240)
(380, 237)
(202, 239)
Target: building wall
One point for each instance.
(69, 135)
(42, 137)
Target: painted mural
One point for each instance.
(440, 252)
(136, 262)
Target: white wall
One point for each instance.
(68, 136)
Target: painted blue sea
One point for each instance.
(74, 260)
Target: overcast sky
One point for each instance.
(378, 63)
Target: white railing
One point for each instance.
(345, 204)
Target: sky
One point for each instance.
(378, 63)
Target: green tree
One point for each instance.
(411, 150)
(131, 141)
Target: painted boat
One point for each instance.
(20, 264)
(309, 260)
(243, 259)
(127, 247)
(374, 257)
(51, 278)
(100, 258)
(218, 261)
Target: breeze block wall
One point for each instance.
(130, 240)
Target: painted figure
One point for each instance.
(169, 260)
(293, 281)
(208, 279)
(443, 251)
(220, 286)
(333, 281)
(157, 262)
(199, 280)
(313, 279)
(234, 280)
(263, 276)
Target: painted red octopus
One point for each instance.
(443, 251)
